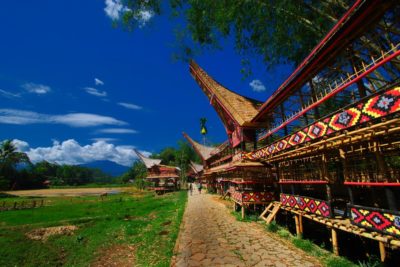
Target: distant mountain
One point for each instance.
(108, 167)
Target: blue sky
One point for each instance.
(75, 89)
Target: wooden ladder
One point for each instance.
(272, 209)
(225, 195)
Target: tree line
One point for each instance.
(18, 172)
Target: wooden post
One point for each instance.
(382, 251)
(301, 224)
(243, 211)
(335, 246)
(345, 167)
(34, 204)
(350, 191)
(298, 228)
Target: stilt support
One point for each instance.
(243, 211)
(298, 225)
(335, 245)
(382, 251)
(301, 224)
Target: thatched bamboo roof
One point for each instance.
(148, 161)
(240, 108)
(205, 152)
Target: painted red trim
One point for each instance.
(248, 182)
(372, 183)
(303, 182)
(307, 59)
(332, 93)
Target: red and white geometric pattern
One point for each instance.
(380, 105)
(379, 220)
(307, 204)
(252, 197)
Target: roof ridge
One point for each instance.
(146, 160)
(232, 103)
(203, 151)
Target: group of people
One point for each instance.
(199, 187)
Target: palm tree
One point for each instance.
(9, 159)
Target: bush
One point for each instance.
(303, 244)
(283, 233)
(272, 227)
(338, 262)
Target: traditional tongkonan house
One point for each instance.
(247, 183)
(162, 178)
(195, 172)
(329, 135)
(332, 129)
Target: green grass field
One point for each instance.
(146, 224)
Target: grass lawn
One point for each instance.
(139, 224)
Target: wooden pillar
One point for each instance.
(301, 224)
(345, 167)
(335, 245)
(382, 166)
(350, 191)
(243, 211)
(382, 251)
(324, 168)
(299, 227)
(328, 193)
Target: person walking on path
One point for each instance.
(190, 188)
(199, 186)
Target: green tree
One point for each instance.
(136, 172)
(280, 31)
(9, 159)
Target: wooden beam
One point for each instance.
(335, 245)
(382, 251)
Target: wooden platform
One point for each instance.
(345, 225)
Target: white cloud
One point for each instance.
(9, 94)
(21, 146)
(98, 81)
(95, 92)
(130, 106)
(257, 86)
(104, 139)
(115, 8)
(71, 152)
(36, 88)
(22, 117)
(117, 131)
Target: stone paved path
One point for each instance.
(211, 236)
